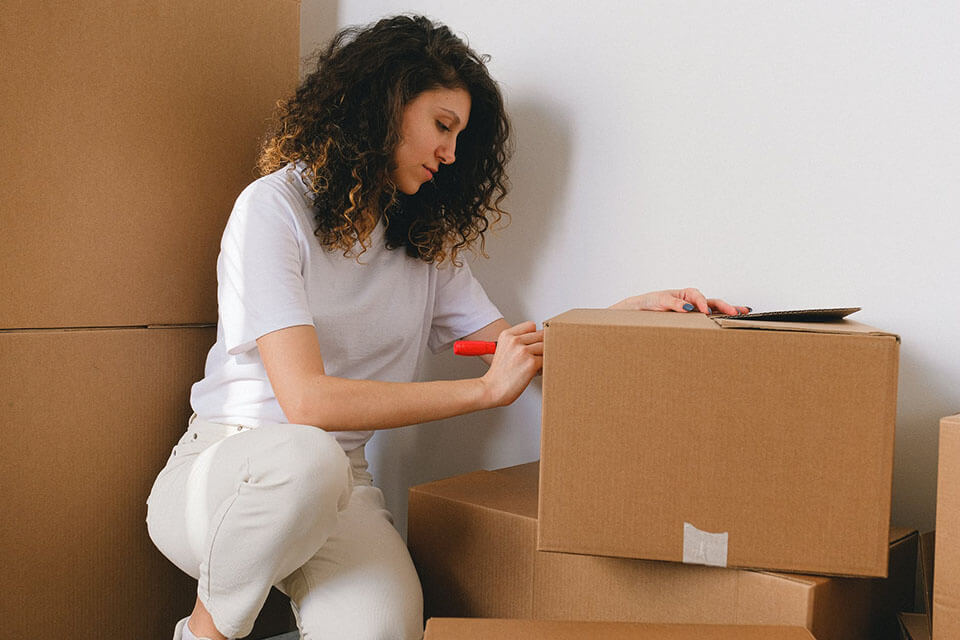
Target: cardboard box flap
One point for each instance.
(796, 315)
(900, 533)
(496, 490)
(842, 326)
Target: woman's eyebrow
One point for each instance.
(453, 114)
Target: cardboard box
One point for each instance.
(493, 629)
(946, 571)
(89, 418)
(740, 443)
(129, 128)
(473, 540)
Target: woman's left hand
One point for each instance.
(682, 300)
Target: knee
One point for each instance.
(379, 616)
(308, 467)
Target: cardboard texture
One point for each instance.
(662, 428)
(129, 130)
(89, 419)
(473, 540)
(493, 629)
(946, 571)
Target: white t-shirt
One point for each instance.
(372, 318)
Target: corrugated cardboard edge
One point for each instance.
(946, 571)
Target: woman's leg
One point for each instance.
(201, 623)
(246, 510)
(361, 584)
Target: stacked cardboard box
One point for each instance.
(675, 440)
(473, 540)
(129, 130)
(738, 443)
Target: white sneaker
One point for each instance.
(178, 631)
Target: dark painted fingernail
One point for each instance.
(688, 307)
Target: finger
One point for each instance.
(723, 307)
(532, 337)
(519, 329)
(535, 349)
(679, 304)
(694, 296)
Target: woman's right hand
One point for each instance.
(519, 357)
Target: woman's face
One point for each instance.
(428, 136)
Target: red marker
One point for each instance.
(474, 347)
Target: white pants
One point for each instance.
(242, 509)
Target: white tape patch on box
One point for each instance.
(703, 547)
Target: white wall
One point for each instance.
(779, 155)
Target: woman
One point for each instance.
(336, 268)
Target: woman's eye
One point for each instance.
(442, 126)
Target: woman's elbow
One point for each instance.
(303, 407)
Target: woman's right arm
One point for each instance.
(307, 395)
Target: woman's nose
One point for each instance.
(446, 153)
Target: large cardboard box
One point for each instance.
(89, 418)
(740, 443)
(129, 128)
(493, 629)
(946, 571)
(473, 540)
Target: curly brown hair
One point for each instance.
(343, 124)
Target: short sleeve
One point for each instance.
(260, 285)
(461, 306)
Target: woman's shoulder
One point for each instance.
(286, 182)
(280, 192)
(278, 200)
